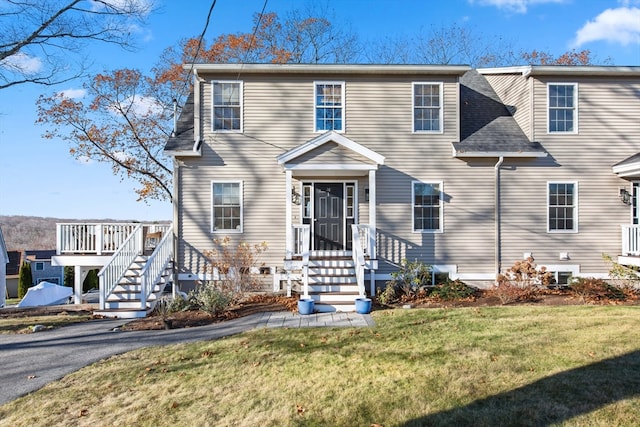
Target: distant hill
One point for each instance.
(35, 233)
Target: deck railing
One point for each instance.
(302, 248)
(366, 235)
(631, 240)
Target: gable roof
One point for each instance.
(628, 168)
(182, 141)
(487, 128)
(40, 255)
(327, 137)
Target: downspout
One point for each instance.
(176, 225)
(497, 217)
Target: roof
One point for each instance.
(375, 69)
(182, 142)
(487, 128)
(564, 70)
(40, 255)
(629, 167)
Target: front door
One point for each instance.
(329, 221)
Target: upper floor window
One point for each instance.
(563, 107)
(39, 266)
(227, 106)
(227, 206)
(427, 107)
(329, 106)
(427, 206)
(563, 206)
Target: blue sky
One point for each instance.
(38, 177)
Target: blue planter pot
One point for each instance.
(363, 305)
(305, 306)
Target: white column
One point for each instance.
(80, 273)
(289, 230)
(372, 213)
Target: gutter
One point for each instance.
(497, 217)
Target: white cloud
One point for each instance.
(145, 105)
(22, 63)
(73, 93)
(621, 25)
(516, 6)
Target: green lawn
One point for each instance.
(498, 366)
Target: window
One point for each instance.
(39, 266)
(563, 112)
(329, 102)
(427, 107)
(227, 106)
(563, 206)
(427, 206)
(227, 206)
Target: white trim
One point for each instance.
(241, 195)
(240, 101)
(522, 154)
(575, 109)
(441, 210)
(541, 70)
(340, 69)
(441, 107)
(343, 105)
(329, 136)
(329, 166)
(575, 208)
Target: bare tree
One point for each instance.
(42, 40)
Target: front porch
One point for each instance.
(630, 254)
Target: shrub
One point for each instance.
(508, 293)
(591, 289)
(211, 299)
(522, 282)
(235, 264)
(453, 290)
(410, 279)
(387, 296)
(626, 276)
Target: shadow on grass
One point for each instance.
(550, 400)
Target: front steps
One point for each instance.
(332, 282)
(125, 302)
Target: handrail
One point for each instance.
(96, 237)
(630, 240)
(115, 269)
(302, 247)
(156, 266)
(358, 258)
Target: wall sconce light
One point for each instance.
(564, 256)
(366, 194)
(295, 197)
(625, 196)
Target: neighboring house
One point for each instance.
(13, 273)
(466, 170)
(4, 260)
(41, 268)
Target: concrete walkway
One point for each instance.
(29, 361)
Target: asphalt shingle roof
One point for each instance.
(183, 139)
(486, 125)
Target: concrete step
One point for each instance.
(331, 280)
(332, 271)
(122, 313)
(326, 307)
(339, 287)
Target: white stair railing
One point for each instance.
(111, 274)
(358, 258)
(631, 240)
(155, 266)
(302, 248)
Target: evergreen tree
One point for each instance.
(91, 281)
(25, 280)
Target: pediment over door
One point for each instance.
(330, 154)
(628, 168)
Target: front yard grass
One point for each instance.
(13, 325)
(520, 365)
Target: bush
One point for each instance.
(236, 265)
(591, 289)
(453, 290)
(410, 279)
(387, 296)
(509, 293)
(522, 282)
(211, 299)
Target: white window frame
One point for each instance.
(39, 266)
(575, 109)
(440, 108)
(440, 228)
(342, 107)
(213, 217)
(575, 207)
(213, 106)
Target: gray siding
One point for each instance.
(515, 92)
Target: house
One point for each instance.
(346, 170)
(4, 260)
(13, 273)
(41, 268)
